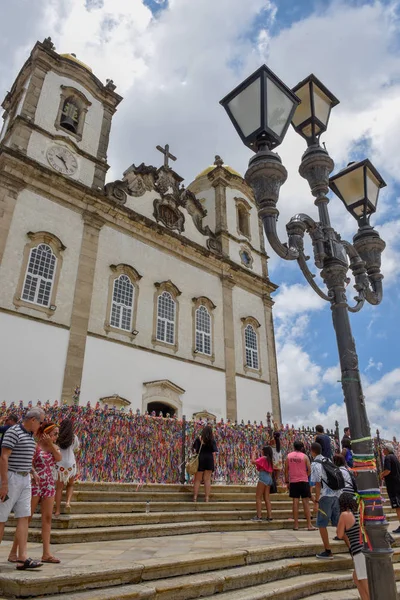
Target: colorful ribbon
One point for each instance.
(364, 462)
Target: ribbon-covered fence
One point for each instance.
(130, 447)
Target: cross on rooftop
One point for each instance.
(166, 153)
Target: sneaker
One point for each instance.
(256, 518)
(325, 554)
(396, 530)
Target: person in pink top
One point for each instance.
(264, 466)
(297, 472)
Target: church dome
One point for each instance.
(218, 163)
(74, 59)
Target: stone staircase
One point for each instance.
(104, 512)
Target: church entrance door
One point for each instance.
(158, 407)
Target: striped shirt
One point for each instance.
(349, 483)
(354, 535)
(22, 446)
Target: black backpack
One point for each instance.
(334, 476)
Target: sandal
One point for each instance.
(11, 559)
(29, 563)
(52, 560)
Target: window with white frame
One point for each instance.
(39, 278)
(166, 318)
(251, 346)
(203, 331)
(122, 303)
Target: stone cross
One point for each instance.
(166, 153)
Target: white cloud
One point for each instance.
(332, 375)
(292, 300)
(373, 365)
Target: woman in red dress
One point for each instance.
(43, 488)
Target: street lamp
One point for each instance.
(358, 187)
(312, 115)
(261, 109)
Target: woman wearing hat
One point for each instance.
(43, 488)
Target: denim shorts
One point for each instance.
(265, 478)
(328, 510)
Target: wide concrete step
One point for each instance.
(116, 519)
(159, 487)
(300, 586)
(80, 521)
(127, 532)
(140, 507)
(144, 496)
(192, 575)
(340, 595)
(281, 579)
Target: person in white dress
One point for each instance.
(66, 467)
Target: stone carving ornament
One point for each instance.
(167, 208)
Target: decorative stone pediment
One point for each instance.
(173, 197)
(136, 182)
(167, 207)
(114, 401)
(204, 415)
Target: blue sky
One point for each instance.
(173, 61)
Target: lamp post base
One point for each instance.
(382, 584)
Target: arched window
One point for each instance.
(39, 277)
(203, 331)
(166, 315)
(203, 328)
(70, 115)
(251, 346)
(40, 272)
(122, 303)
(243, 221)
(166, 318)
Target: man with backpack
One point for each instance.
(329, 483)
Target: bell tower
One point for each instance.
(59, 114)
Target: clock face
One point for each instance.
(62, 160)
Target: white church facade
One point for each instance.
(140, 292)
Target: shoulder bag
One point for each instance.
(192, 466)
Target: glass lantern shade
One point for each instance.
(312, 115)
(358, 187)
(261, 109)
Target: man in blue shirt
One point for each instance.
(324, 441)
(9, 422)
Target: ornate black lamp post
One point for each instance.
(255, 114)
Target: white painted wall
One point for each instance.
(245, 305)
(207, 199)
(37, 149)
(111, 368)
(35, 213)
(155, 266)
(253, 400)
(49, 103)
(32, 360)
